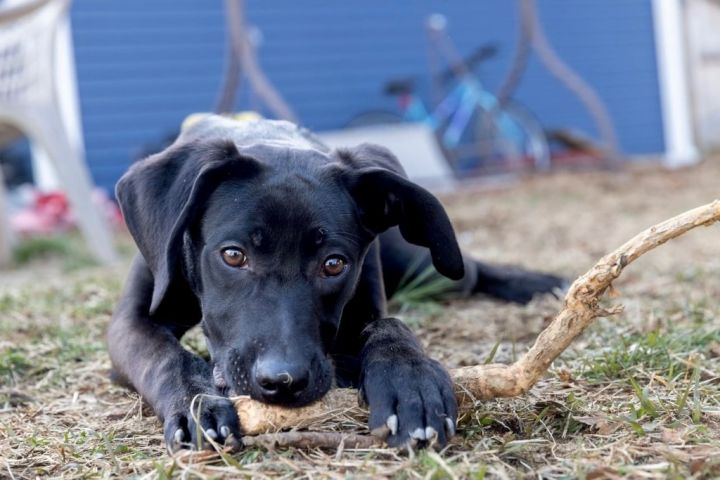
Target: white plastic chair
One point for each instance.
(29, 100)
(6, 236)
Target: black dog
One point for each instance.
(271, 241)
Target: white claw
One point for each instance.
(418, 434)
(211, 434)
(450, 426)
(224, 431)
(392, 424)
(430, 433)
(179, 435)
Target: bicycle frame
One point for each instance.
(456, 110)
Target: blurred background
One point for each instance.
(551, 130)
(468, 94)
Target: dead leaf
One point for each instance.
(602, 425)
(673, 436)
(603, 473)
(564, 375)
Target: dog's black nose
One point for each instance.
(277, 379)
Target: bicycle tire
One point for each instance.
(538, 147)
(474, 152)
(528, 151)
(373, 118)
(485, 147)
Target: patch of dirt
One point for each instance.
(637, 396)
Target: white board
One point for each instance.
(413, 144)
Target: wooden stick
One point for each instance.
(483, 382)
(311, 440)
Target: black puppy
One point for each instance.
(270, 241)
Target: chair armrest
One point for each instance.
(11, 14)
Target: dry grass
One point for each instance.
(637, 396)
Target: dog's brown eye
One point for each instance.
(234, 257)
(333, 266)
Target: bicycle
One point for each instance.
(476, 134)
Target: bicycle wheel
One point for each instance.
(534, 141)
(513, 139)
(509, 140)
(461, 149)
(374, 117)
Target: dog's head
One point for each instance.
(271, 239)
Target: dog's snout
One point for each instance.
(279, 380)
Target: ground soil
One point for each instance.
(637, 396)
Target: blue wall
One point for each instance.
(143, 66)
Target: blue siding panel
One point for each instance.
(143, 66)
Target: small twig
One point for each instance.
(483, 382)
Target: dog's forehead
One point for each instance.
(287, 201)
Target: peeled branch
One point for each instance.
(483, 382)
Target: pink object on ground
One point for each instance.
(50, 212)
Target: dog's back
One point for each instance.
(245, 133)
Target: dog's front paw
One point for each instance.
(411, 401)
(196, 420)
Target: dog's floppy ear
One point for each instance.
(161, 195)
(386, 198)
